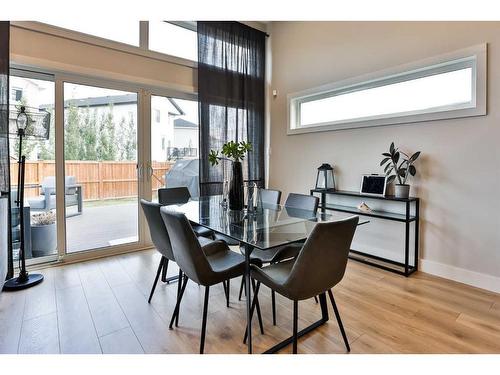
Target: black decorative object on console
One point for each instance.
(325, 178)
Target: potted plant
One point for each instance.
(234, 152)
(401, 171)
(43, 234)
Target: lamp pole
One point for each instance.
(24, 280)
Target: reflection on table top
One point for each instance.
(270, 226)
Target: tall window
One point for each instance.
(173, 40)
(448, 88)
(118, 30)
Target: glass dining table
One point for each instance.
(268, 227)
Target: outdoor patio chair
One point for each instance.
(47, 199)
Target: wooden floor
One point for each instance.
(101, 307)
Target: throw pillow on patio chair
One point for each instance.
(47, 199)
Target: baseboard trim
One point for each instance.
(479, 280)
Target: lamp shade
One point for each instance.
(325, 179)
(22, 119)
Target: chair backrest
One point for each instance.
(187, 250)
(49, 182)
(302, 202)
(322, 261)
(176, 195)
(157, 229)
(270, 196)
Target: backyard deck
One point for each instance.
(102, 225)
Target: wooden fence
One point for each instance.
(99, 179)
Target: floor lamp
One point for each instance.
(24, 279)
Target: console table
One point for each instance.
(407, 218)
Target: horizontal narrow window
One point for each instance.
(448, 88)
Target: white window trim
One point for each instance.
(477, 107)
(141, 50)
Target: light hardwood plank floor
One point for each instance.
(101, 306)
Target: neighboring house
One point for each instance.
(171, 135)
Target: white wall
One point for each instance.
(458, 175)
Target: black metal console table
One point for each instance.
(407, 218)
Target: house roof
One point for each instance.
(181, 123)
(102, 101)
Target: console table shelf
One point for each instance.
(402, 268)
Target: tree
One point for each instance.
(106, 144)
(72, 139)
(127, 139)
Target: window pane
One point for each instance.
(117, 30)
(100, 151)
(39, 191)
(174, 144)
(421, 94)
(173, 40)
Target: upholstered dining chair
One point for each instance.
(180, 195)
(295, 204)
(319, 266)
(206, 265)
(161, 240)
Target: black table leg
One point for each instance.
(248, 250)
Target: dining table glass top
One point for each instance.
(267, 227)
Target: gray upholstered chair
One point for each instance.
(161, 240)
(180, 195)
(295, 205)
(208, 265)
(47, 199)
(319, 266)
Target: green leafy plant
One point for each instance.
(401, 171)
(233, 151)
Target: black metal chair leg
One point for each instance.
(252, 308)
(228, 286)
(204, 322)
(295, 323)
(179, 285)
(273, 304)
(178, 303)
(339, 321)
(242, 287)
(160, 267)
(257, 305)
(316, 299)
(164, 271)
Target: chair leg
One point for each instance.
(179, 285)
(228, 291)
(273, 303)
(204, 322)
(295, 323)
(178, 303)
(255, 303)
(160, 267)
(339, 321)
(316, 299)
(242, 286)
(164, 271)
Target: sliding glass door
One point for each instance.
(100, 164)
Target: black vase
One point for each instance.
(236, 198)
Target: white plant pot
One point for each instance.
(401, 191)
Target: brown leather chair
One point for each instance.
(208, 265)
(319, 266)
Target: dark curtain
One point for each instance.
(4, 107)
(231, 84)
(4, 127)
